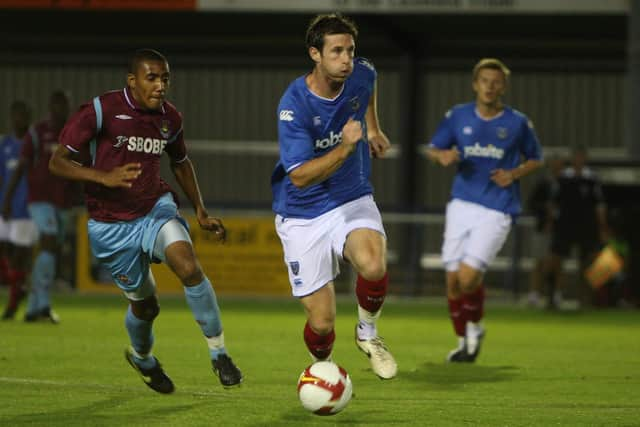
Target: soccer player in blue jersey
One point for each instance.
(17, 232)
(328, 130)
(494, 146)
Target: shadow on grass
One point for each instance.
(455, 375)
(348, 417)
(103, 412)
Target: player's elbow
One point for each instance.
(299, 178)
(299, 181)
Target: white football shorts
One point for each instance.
(473, 235)
(19, 232)
(313, 248)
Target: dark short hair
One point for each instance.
(58, 96)
(142, 55)
(20, 107)
(327, 24)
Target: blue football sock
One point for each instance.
(42, 276)
(141, 337)
(204, 306)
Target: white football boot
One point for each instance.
(381, 359)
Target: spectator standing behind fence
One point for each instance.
(327, 130)
(580, 220)
(540, 205)
(134, 218)
(48, 196)
(487, 140)
(18, 232)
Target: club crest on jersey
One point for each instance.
(467, 130)
(355, 103)
(295, 267)
(124, 279)
(317, 121)
(502, 133)
(164, 129)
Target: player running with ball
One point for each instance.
(327, 130)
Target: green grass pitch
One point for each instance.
(536, 368)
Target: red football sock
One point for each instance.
(4, 269)
(371, 293)
(458, 316)
(473, 304)
(15, 278)
(319, 345)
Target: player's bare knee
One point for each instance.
(373, 269)
(469, 284)
(146, 309)
(189, 272)
(322, 326)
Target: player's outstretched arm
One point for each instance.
(63, 165)
(186, 178)
(319, 169)
(378, 142)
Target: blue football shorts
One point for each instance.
(126, 248)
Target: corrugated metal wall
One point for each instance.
(238, 104)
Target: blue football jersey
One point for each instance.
(10, 148)
(486, 145)
(309, 126)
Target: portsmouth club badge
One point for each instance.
(502, 133)
(164, 129)
(295, 267)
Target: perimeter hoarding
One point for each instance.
(249, 263)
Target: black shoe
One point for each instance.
(154, 377)
(9, 313)
(46, 314)
(459, 355)
(228, 373)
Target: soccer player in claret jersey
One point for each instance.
(327, 130)
(48, 198)
(494, 146)
(133, 213)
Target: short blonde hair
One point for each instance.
(493, 64)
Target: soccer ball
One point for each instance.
(324, 388)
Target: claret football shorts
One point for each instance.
(313, 247)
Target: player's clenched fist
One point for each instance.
(214, 225)
(378, 145)
(351, 132)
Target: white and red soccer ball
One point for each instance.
(324, 388)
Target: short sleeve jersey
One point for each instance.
(10, 148)
(310, 126)
(39, 143)
(114, 130)
(485, 145)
